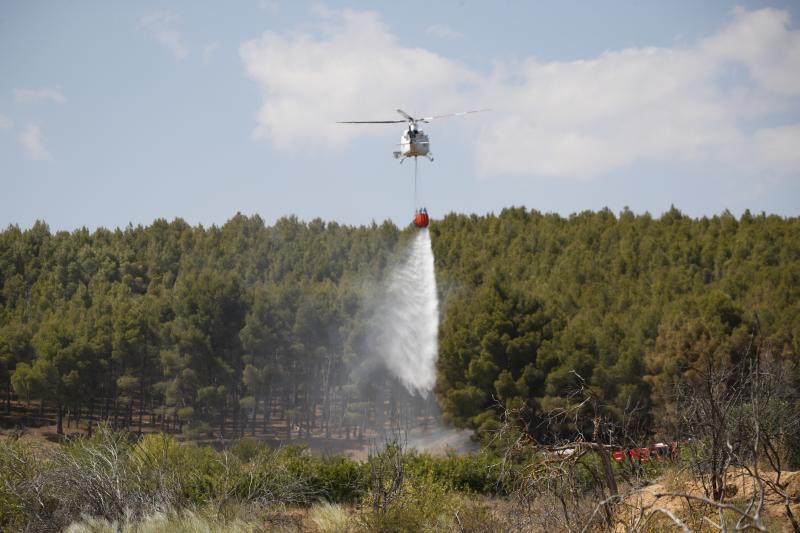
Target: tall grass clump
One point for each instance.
(329, 518)
(18, 498)
(171, 521)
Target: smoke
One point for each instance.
(408, 319)
(441, 440)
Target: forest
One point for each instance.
(255, 329)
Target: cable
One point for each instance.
(420, 191)
(416, 198)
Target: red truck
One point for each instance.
(658, 452)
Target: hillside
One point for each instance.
(248, 327)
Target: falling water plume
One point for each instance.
(410, 318)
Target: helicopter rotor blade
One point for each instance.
(407, 116)
(437, 117)
(370, 121)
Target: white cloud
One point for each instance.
(763, 43)
(566, 119)
(352, 68)
(778, 149)
(583, 118)
(5, 122)
(162, 26)
(579, 119)
(44, 94)
(31, 140)
(443, 32)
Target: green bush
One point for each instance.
(270, 479)
(475, 473)
(422, 505)
(194, 470)
(334, 478)
(247, 448)
(341, 480)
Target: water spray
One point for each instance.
(409, 322)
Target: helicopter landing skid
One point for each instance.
(403, 158)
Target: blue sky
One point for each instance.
(122, 112)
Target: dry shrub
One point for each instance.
(97, 477)
(476, 515)
(101, 477)
(677, 478)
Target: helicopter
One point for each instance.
(414, 143)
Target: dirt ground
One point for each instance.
(740, 489)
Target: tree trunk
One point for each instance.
(141, 404)
(255, 413)
(236, 408)
(611, 483)
(91, 416)
(267, 412)
(222, 419)
(8, 392)
(59, 418)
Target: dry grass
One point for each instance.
(164, 522)
(329, 518)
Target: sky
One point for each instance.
(115, 113)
